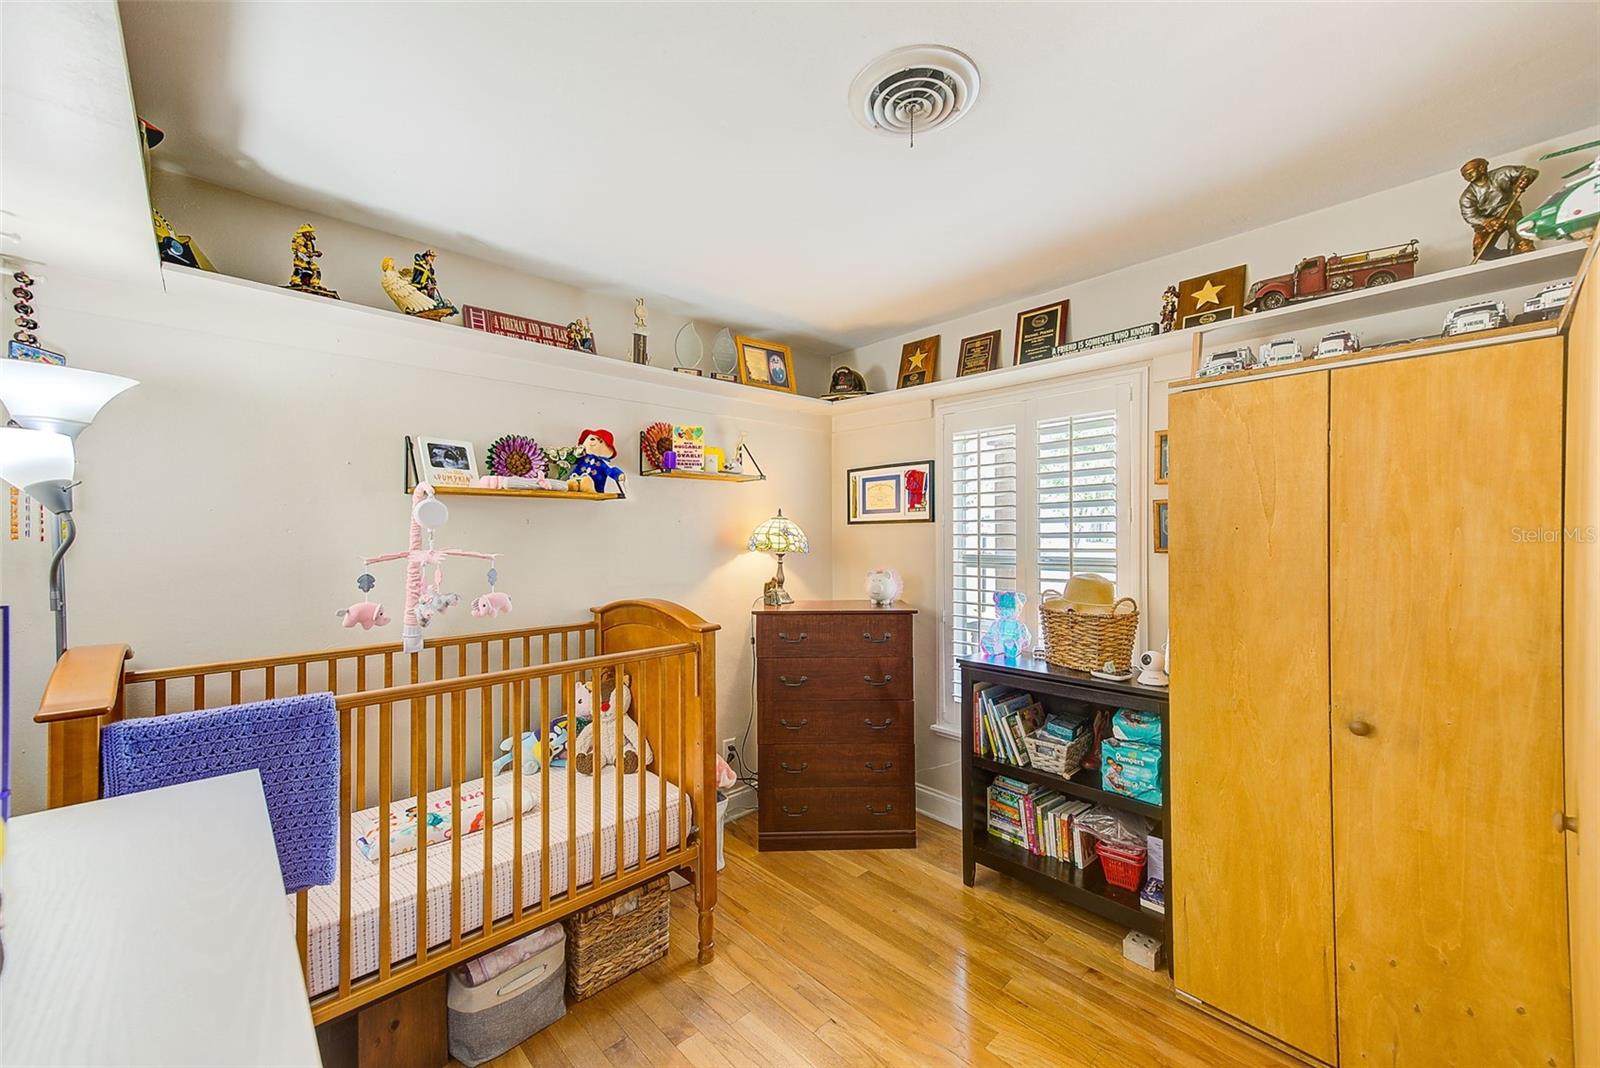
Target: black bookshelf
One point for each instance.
(1085, 888)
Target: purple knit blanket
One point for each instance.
(292, 741)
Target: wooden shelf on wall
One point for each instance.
(551, 495)
(703, 476)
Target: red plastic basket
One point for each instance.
(1124, 866)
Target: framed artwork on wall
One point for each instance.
(1158, 524)
(1161, 457)
(768, 364)
(978, 354)
(1039, 331)
(445, 462)
(890, 493)
(919, 362)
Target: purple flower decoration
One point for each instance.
(516, 456)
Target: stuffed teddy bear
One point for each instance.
(604, 722)
(593, 469)
(1008, 635)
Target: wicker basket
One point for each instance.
(615, 938)
(1085, 641)
(1055, 756)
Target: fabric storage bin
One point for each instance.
(615, 938)
(499, 1000)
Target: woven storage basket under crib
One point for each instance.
(1084, 641)
(613, 939)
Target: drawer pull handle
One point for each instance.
(788, 812)
(888, 722)
(787, 681)
(786, 725)
(782, 637)
(879, 769)
(795, 771)
(887, 636)
(886, 810)
(1360, 728)
(887, 679)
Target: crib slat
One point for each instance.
(344, 854)
(333, 675)
(199, 692)
(385, 794)
(419, 767)
(300, 677)
(682, 709)
(639, 707)
(438, 719)
(520, 693)
(595, 822)
(161, 697)
(661, 762)
(234, 687)
(544, 802)
(485, 762)
(269, 687)
(458, 727)
(568, 696)
(302, 934)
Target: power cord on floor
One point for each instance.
(746, 774)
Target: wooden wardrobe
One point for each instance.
(1372, 788)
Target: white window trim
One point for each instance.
(1133, 447)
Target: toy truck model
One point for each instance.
(1337, 343)
(1283, 350)
(1548, 302)
(1479, 315)
(1323, 276)
(1221, 363)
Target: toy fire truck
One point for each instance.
(1323, 276)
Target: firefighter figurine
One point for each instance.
(423, 300)
(305, 274)
(1491, 205)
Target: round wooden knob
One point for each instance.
(1360, 728)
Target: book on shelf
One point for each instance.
(1153, 896)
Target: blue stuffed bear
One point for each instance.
(1008, 636)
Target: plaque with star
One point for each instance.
(1211, 298)
(1039, 331)
(919, 362)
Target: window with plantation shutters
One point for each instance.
(1042, 487)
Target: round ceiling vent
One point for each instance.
(913, 90)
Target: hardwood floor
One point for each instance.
(885, 958)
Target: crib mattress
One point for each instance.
(323, 901)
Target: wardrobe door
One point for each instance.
(1445, 544)
(1250, 870)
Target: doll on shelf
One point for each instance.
(594, 470)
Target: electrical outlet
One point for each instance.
(730, 751)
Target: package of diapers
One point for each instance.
(1130, 726)
(403, 815)
(1132, 769)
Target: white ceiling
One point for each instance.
(703, 153)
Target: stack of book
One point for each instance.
(1001, 719)
(1040, 820)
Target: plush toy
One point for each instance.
(534, 754)
(491, 604)
(1008, 635)
(364, 614)
(604, 721)
(434, 603)
(593, 470)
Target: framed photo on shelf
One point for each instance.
(890, 493)
(768, 364)
(1211, 298)
(1158, 524)
(1161, 458)
(445, 462)
(978, 354)
(919, 362)
(1039, 331)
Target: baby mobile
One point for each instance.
(425, 597)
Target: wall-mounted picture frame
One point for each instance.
(890, 493)
(1039, 331)
(1211, 298)
(978, 354)
(445, 461)
(1162, 453)
(1158, 524)
(919, 362)
(768, 364)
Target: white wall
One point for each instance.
(225, 501)
(247, 237)
(1425, 210)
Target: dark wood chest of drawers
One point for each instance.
(835, 718)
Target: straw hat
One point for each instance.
(1084, 593)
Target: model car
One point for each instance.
(1550, 298)
(1220, 363)
(1479, 315)
(1573, 211)
(1283, 350)
(1337, 343)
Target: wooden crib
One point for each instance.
(421, 722)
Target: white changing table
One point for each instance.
(150, 929)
